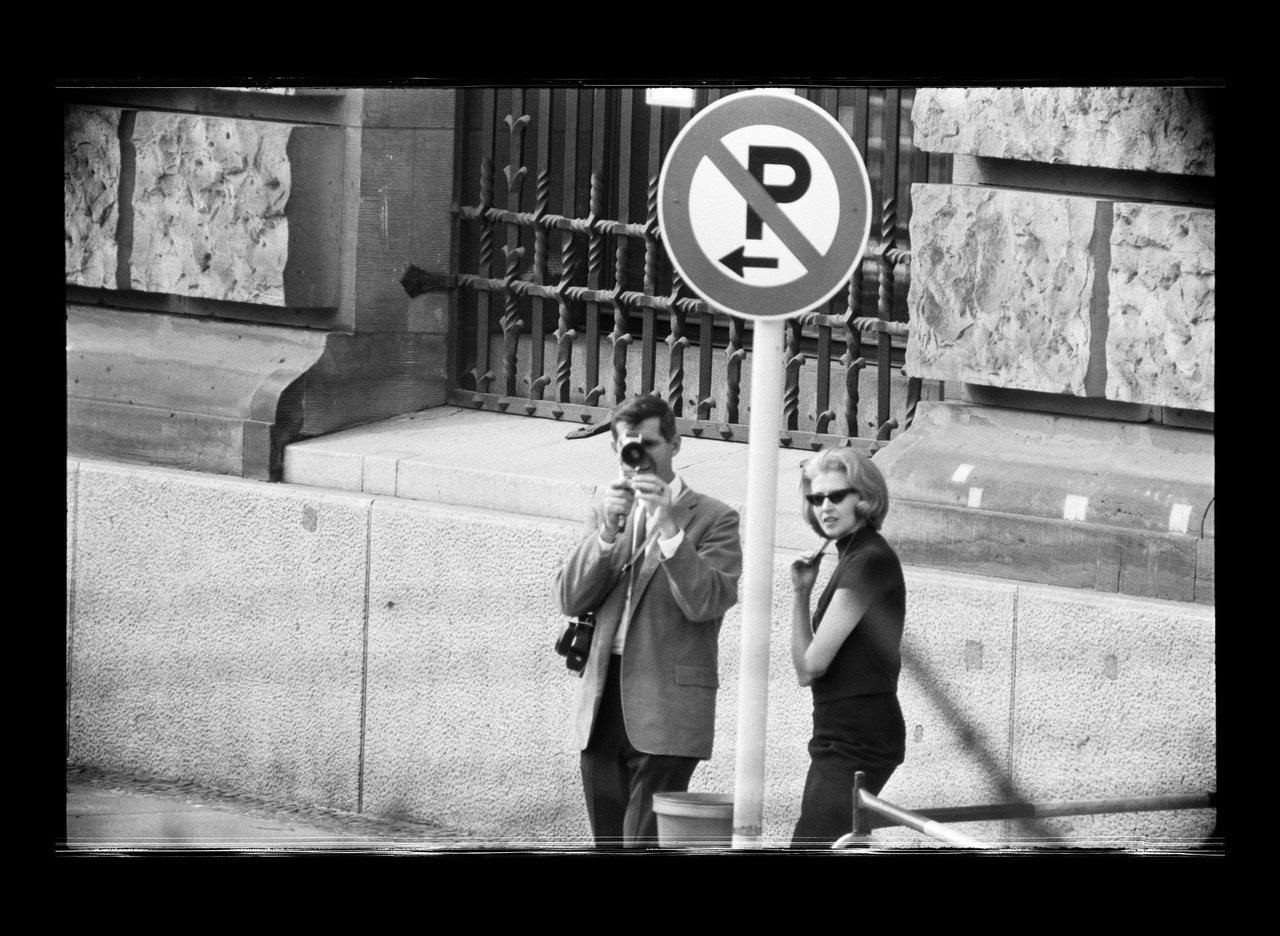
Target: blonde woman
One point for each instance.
(849, 650)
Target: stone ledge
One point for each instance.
(1029, 549)
(1132, 476)
(1055, 499)
(518, 464)
(228, 397)
(177, 392)
(526, 466)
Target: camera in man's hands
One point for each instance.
(575, 643)
(631, 450)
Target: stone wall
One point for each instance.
(1170, 130)
(209, 207)
(256, 241)
(91, 168)
(1160, 321)
(351, 650)
(209, 201)
(1032, 281)
(1002, 287)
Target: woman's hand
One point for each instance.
(804, 573)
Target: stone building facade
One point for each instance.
(232, 264)
(264, 596)
(1064, 286)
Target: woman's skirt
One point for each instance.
(860, 733)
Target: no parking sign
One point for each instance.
(764, 204)
(764, 207)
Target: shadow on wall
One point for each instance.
(929, 683)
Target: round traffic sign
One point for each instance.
(764, 204)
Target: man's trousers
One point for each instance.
(619, 781)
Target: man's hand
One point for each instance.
(612, 508)
(655, 495)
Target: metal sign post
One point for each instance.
(764, 205)
(757, 583)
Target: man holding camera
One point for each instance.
(658, 568)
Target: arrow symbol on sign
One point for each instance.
(739, 261)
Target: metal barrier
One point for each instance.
(870, 812)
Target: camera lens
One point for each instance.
(632, 454)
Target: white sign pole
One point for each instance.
(713, 205)
(757, 579)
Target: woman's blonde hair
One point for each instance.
(863, 475)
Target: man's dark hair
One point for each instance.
(639, 408)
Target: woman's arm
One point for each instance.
(812, 653)
(801, 634)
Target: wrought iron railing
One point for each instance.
(534, 257)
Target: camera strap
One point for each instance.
(639, 547)
(644, 540)
(632, 570)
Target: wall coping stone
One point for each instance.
(526, 466)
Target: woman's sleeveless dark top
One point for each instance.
(870, 658)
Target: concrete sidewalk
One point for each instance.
(116, 813)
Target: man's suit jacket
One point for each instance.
(670, 664)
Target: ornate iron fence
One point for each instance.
(533, 280)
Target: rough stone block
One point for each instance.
(1155, 129)
(1002, 288)
(1115, 698)
(237, 210)
(208, 207)
(91, 192)
(1160, 338)
(219, 632)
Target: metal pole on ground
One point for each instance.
(757, 580)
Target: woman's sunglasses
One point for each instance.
(835, 497)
